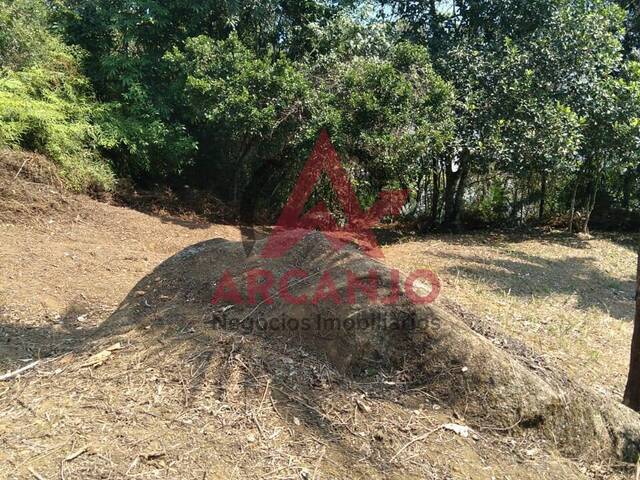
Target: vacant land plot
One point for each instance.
(192, 401)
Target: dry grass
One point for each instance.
(570, 299)
(196, 402)
(213, 404)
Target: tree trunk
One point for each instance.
(459, 198)
(591, 203)
(543, 194)
(454, 195)
(236, 177)
(435, 197)
(239, 167)
(573, 206)
(632, 392)
(626, 189)
(516, 202)
(420, 192)
(451, 179)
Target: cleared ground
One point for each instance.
(161, 405)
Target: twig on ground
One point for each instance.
(501, 429)
(417, 439)
(17, 372)
(75, 454)
(260, 430)
(266, 390)
(315, 470)
(21, 167)
(35, 474)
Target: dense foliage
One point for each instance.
(484, 109)
(45, 102)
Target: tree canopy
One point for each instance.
(499, 111)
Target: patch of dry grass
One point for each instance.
(568, 298)
(216, 405)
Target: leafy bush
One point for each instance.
(242, 107)
(45, 103)
(390, 115)
(142, 144)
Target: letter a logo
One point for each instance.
(293, 224)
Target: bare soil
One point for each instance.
(127, 387)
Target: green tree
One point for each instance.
(128, 45)
(391, 115)
(239, 106)
(535, 87)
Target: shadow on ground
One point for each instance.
(529, 276)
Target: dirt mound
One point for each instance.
(432, 348)
(29, 187)
(371, 391)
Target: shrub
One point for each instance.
(45, 103)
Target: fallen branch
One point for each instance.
(17, 372)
